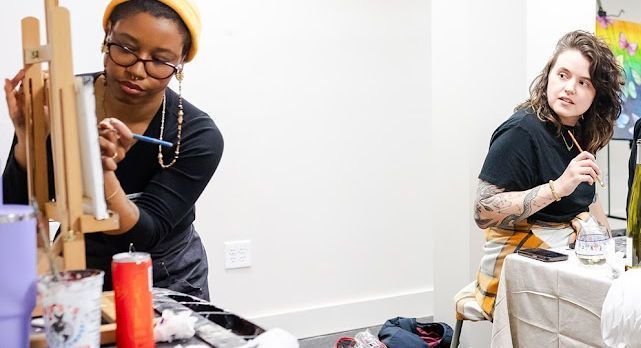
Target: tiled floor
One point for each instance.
(327, 341)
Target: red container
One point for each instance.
(132, 281)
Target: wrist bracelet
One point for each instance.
(111, 196)
(554, 195)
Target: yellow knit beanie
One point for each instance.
(184, 8)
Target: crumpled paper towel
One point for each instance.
(174, 326)
(621, 312)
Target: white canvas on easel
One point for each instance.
(93, 199)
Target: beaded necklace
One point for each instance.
(161, 161)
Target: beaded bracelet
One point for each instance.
(556, 197)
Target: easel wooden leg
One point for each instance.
(74, 252)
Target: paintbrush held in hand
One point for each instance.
(576, 143)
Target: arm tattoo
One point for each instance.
(489, 198)
(495, 207)
(487, 201)
(527, 209)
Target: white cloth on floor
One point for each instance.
(274, 338)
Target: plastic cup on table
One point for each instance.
(17, 273)
(591, 245)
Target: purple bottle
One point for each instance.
(17, 273)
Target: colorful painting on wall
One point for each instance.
(623, 38)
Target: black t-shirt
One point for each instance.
(526, 152)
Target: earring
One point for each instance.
(104, 50)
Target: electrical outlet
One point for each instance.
(238, 254)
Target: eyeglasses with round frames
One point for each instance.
(124, 57)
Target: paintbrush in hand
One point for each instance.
(576, 143)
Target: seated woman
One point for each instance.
(535, 184)
(153, 189)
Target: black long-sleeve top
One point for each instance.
(166, 200)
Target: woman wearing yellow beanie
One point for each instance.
(153, 189)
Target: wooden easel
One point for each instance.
(59, 96)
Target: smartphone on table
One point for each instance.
(544, 255)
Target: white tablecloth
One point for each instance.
(553, 304)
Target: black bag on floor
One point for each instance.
(408, 333)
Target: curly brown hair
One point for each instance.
(597, 126)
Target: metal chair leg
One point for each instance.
(457, 334)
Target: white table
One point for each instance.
(555, 304)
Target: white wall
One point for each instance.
(324, 111)
(478, 67)
(324, 106)
(547, 21)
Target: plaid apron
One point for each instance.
(500, 242)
